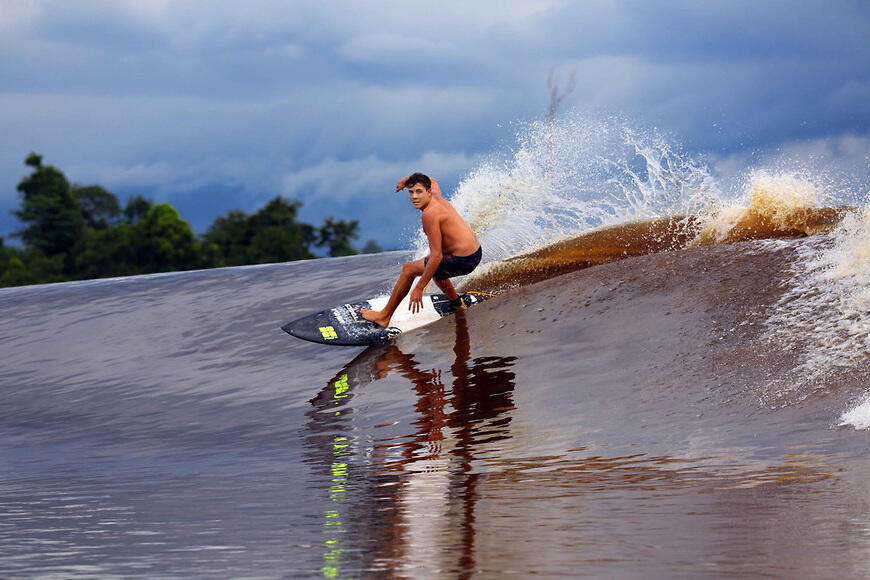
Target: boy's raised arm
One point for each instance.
(436, 191)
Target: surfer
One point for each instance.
(454, 250)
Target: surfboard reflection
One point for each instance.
(408, 503)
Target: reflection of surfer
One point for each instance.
(438, 494)
(471, 410)
(454, 250)
(482, 388)
(481, 392)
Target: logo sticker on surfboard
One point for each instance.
(328, 333)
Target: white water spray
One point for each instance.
(574, 175)
(825, 313)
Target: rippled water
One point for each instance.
(627, 420)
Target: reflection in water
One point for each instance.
(405, 485)
(434, 472)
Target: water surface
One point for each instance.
(638, 418)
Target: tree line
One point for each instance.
(75, 232)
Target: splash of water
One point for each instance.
(776, 204)
(572, 176)
(825, 313)
(847, 265)
(858, 416)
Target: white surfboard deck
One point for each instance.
(403, 319)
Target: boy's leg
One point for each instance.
(403, 285)
(447, 287)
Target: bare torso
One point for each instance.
(456, 237)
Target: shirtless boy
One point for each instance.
(454, 250)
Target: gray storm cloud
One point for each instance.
(169, 98)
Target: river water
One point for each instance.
(658, 416)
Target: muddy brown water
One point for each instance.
(633, 419)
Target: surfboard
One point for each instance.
(345, 326)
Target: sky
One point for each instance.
(213, 106)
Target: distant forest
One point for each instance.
(77, 232)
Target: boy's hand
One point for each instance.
(416, 304)
(401, 184)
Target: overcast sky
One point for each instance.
(223, 105)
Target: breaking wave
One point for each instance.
(569, 177)
(582, 192)
(587, 190)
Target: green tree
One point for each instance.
(273, 234)
(10, 265)
(212, 256)
(13, 273)
(372, 247)
(164, 242)
(137, 207)
(228, 235)
(336, 236)
(107, 252)
(29, 266)
(276, 235)
(53, 221)
(99, 208)
(74, 231)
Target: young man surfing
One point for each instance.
(454, 250)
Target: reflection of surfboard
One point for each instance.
(344, 326)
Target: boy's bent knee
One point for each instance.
(412, 268)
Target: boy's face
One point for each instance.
(419, 195)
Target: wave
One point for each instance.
(577, 194)
(771, 213)
(824, 313)
(778, 205)
(588, 190)
(570, 177)
(810, 271)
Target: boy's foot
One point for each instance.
(375, 316)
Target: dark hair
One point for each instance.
(419, 178)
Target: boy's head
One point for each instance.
(419, 190)
(418, 178)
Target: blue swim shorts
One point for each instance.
(451, 265)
